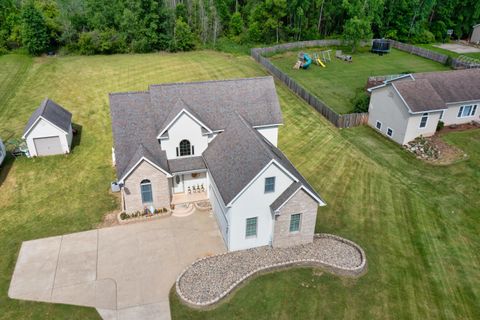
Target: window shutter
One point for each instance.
(460, 112)
(474, 110)
(193, 150)
(177, 151)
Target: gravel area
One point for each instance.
(209, 279)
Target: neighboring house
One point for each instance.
(220, 135)
(475, 38)
(412, 105)
(3, 152)
(49, 130)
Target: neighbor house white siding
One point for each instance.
(184, 127)
(254, 202)
(387, 108)
(270, 133)
(475, 34)
(414, 130)
(44, 129)
(451, 114)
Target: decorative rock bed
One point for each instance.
(123, 218)
(210, 279)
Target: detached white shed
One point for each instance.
(49, 130)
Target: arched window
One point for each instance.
(185, 149)
(146, 191)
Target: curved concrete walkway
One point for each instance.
(210, 279)
(126, 272)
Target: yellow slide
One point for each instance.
(320, 62)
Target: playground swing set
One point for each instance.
(320, 59)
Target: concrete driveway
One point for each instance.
(126, 272)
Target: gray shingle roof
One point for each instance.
(238, 154)
(186, 164)
(214, 102)
(134, 132)
(138, 117)
(53, 113)
(434, 90)
(419, 95)
(285, 195)
(455, 85)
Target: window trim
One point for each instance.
(376, 125)
(265, 186)
(299, 223)
(389, 135)
(473, 110)
(251, 236)
(425, 115)
(185, 148)
(146, 182)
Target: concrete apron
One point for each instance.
(126, 272)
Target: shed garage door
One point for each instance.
(48, 146)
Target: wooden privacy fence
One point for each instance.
(461, 62)
(339, 120)
(438, 57)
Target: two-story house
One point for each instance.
(222, 136)
(412, 105)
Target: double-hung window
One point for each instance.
(467, 111)
(251, 227)
(389, 132)
(146, 191)
(295, 222)
(269, 184)
(423, 121)
(378, 125)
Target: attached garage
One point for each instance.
(49, 130)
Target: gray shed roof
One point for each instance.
(238, 154)
(186, 164)
(138, 117)
(51, 112)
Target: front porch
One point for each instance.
(179, 198)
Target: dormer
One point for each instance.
(183, 134)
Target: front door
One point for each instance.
(178, 184)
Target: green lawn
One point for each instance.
(432, 47)
(417, 223)
(338, 83)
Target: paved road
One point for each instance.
(126, 272)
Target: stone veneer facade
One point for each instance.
(132, 198)
(302, 203)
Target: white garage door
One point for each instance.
(48, 146)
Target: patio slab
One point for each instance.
(126, 272)
(457, 48)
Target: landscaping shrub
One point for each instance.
(360, 102)
(124, 216)
(440, 125)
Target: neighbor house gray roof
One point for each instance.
(53, 113)
(139, 117)
(419, 95)
(454, 86)
(428, 91)
(238, 154)
(186, 164)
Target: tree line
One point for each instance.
(118, 26)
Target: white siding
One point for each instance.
(219, 209)
(254, 202)
(387, 107)
(190, 181)
(450, 115)
(184, 128)
(414, 130)
(43, 129)
(270, 133)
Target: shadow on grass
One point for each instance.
(77, 136)
(5, 167)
